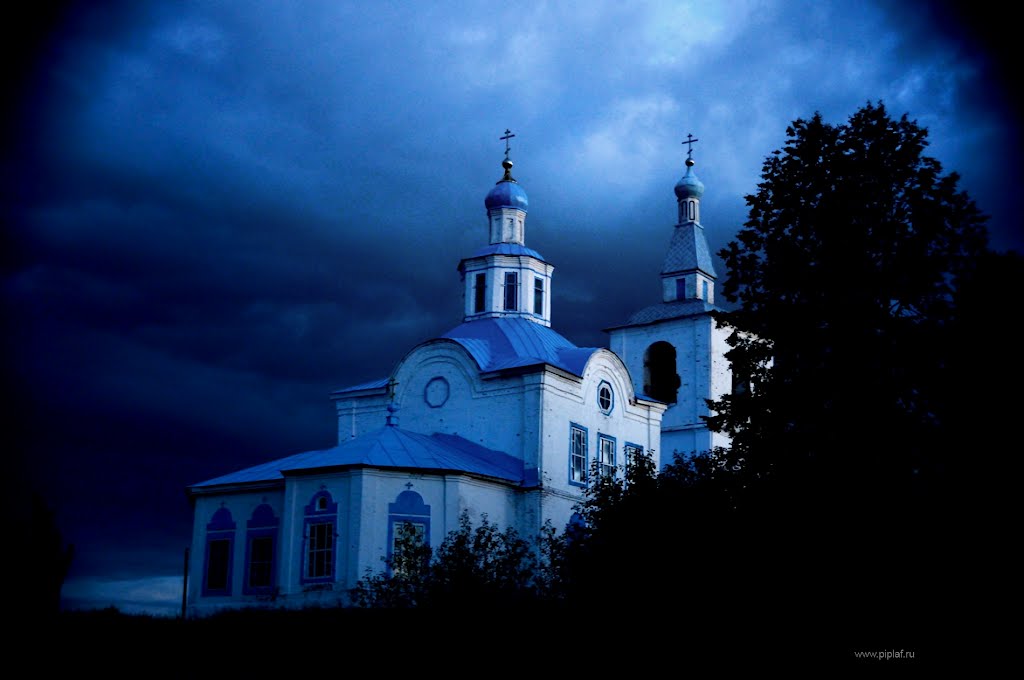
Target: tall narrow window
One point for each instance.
(220, 542)
(320, 550)
(606, 455)
(480, 293)
(704, 290)
(538, 295)
(320, 539)
(261, 562)
(680, 289)
(261, 547)
(577, 455)
(217, 563)
(511, 291)
(408, 530)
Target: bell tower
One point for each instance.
(674, 350)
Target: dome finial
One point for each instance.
(506, 192)
(507, 164)
(689, 187)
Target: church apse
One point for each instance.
(660, 378)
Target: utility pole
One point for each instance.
(184, 587)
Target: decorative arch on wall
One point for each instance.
(438, 358)
(661, 381)
(604, 365)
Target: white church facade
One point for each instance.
(500, 416)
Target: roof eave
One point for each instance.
(399, 468)
(233, 487)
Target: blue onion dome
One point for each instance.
(689, 186)
(507, 193)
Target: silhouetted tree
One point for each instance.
(854, 279)
(41, 556)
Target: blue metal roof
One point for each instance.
(514, 342)
(506, 194)
(506, 249)
(372, 385)
(388, 447)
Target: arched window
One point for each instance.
(408, 518)
(660, 378)
(260, 551)
(320, 537)
(220, 544)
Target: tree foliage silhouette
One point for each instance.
(847, 276)
(859, 284)
(472, 568)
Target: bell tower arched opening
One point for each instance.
(661, 381)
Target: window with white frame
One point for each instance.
(606, 455)
(577, 454)
(538, 295)
(320, 550)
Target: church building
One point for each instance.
(500, 416)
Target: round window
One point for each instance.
(436, 392)
(604, 397)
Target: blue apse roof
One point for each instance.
(388, 447)
(514, 342)
(506, 249)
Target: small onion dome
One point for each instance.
(506, 193)
(689, 186)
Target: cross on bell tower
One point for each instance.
(689, 142)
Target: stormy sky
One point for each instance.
(214, 213)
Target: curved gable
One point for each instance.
(604, 364)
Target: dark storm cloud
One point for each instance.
(216, 213)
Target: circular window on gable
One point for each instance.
(605, 397)
(436, 392)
